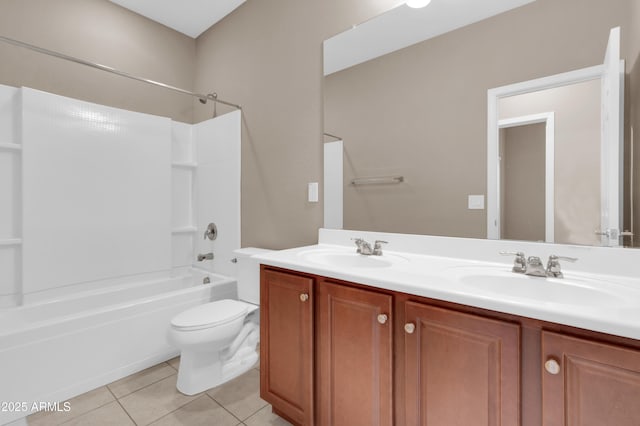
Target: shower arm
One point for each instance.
(203, 98)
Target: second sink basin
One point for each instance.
(566, 291)
(350, 259)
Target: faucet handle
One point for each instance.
(359, 242)
(553, 265)
(519, 263)
(377, 247)
(568, 259)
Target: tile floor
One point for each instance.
(150, 398)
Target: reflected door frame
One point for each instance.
(493, 143)
(548, 118)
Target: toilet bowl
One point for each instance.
(218, 340)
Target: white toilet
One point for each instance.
(218, 339)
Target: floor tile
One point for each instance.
(174, 362)
(265, 417)
(141, 379)
(240, 396)
(79, 405)
(202, 412)
(155, 401)
(111, 414)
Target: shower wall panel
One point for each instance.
(10, 188)
(182, 175)
(96, 203)
(217, 145)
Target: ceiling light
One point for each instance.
(417, 4)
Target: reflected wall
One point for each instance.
(421, 112)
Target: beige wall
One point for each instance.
(421, 112)
(267, 56)
(576, 155)
(522, 153)
(98, 31)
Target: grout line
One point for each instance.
(126, 412)
(121, 406)
(197, 396)
(167, 362)
(258, 410)
(144, 387)
(171, 412)
(223, 407)
(93, 409)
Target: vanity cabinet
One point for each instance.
(460, 369)
(287, 344)
(354, 356)
(587, 382)
(339, 353)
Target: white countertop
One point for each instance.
(438, 277)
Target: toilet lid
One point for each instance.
(210, 315)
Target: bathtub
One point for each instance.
(54, 350)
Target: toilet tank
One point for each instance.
(249, 274)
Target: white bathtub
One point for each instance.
(52, 351)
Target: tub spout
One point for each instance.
(208, 256)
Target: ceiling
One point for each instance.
(192, 17)
(404, 26)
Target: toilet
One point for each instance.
(218, 340)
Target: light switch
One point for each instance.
(313, 192)
(476, 202)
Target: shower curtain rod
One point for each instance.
(201, 97)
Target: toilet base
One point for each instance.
(202, 370)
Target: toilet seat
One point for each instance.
(210, 315)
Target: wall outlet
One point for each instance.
(476, 202)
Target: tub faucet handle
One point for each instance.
(211, 232)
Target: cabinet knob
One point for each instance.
(552, 366)
(409, 327)
(382, 318)
(304, 297)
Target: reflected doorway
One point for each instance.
(526, 154)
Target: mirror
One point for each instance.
(420, 113)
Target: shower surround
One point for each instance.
(103, 211)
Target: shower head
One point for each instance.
(212, 96)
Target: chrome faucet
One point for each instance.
(208, 256)
(363, 246)
(535, 267)
(553, 265)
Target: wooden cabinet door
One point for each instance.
(354, 343)
(460, 369)
(287, 344)
(589, 383)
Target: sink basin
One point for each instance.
(567, 291)
(350, 259)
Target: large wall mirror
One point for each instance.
(415, 119)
